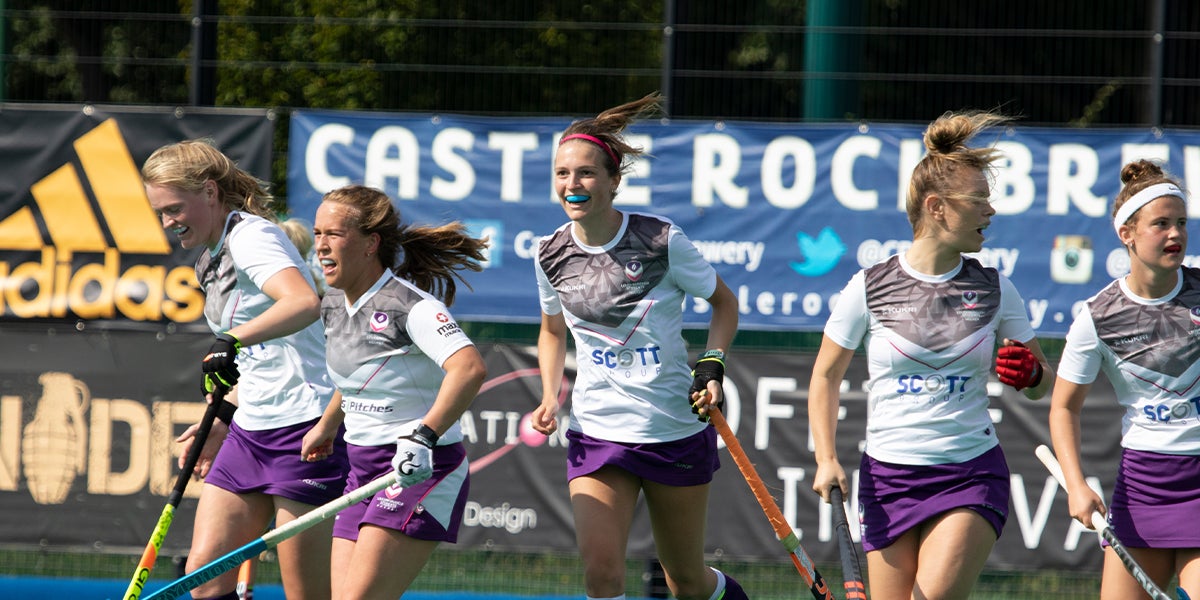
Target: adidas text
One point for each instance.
(56, 286)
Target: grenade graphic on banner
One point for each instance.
(53, 447)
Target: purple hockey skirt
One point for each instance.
(1154, 499)
(268, 462)
(894, 498)
(431, 510)
(688, 461)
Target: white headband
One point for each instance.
(1143, 198)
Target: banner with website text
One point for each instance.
(78, 239)
(786, 212)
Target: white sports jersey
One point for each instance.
(1150, 353)
(282, 381)
(623, 303)
(929, 351)
(385, 356)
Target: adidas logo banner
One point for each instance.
(78, 239)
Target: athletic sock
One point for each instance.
(719, 591)
(621, 597)
(727, 588)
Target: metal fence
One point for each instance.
(1077, 62)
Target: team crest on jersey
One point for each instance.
(1194, 313)
(380, 321)
(633, 269)
(970, 299)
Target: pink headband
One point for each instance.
(595, 140)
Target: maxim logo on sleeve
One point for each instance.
(450, 328)
(90, 221)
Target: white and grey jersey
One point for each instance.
(283, 381)
(1148, 349)
(623, 304)
(385, 356)
(930, 342)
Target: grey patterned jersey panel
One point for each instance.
(606, 287)
(378, 328)
(933, 315)
(218, 275)
(1156, 337)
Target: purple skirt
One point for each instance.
(1153, 497)
(688, 461)
(430, 510)
(268, 462)
(894, 498)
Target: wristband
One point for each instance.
(225, 411)
(237, 344)
(716, 355)
(424, 435)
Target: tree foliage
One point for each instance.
(912, 59)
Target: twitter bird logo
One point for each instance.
(820, 254)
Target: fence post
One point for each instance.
(829, 58)
(1158, 12)
(668, 62)
(203, 89)
(3, 24)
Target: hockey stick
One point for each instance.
(245, 584)
(783, 531)
(271, 539)
(1101, 524)
(851, 568)
(150, 554)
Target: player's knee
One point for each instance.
(605, 579)
(692, 585)
(193, 562)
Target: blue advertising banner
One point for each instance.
(787, 213)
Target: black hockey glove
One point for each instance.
(709, 367)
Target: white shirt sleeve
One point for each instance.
(435, 331)
(689, 270)
(261, 249)
(1014, 321)
(849, 318)
(547, 295)
(1082, 357)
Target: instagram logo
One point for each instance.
(1071, 259)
